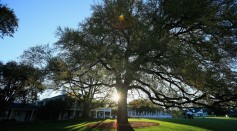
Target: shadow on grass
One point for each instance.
(69, 125)
(209, 123)
(125, 127)
(83, 126)
(102, 125)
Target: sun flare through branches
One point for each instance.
(115, 97)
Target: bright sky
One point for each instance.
(38, 21)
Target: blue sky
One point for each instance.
(38, 21)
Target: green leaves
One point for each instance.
(8, 21)
(19, 82)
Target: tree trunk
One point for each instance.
(86, 110)
(122, 115)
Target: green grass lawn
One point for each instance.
(197, 124)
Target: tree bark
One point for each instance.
(122, 115)
(86, 110)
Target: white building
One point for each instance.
(101, 113)
(147, 114)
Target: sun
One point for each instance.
(115, 97)
(121, 18)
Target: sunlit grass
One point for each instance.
(167, 126)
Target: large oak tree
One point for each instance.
(179, 52)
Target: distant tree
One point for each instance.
(19, 83)
(178, 52)
(8, 21)
(38, 56)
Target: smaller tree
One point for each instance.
(8, 21)
(37, 56)
(19, 83)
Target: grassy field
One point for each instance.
(197, 124)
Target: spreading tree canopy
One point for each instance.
(8, 21)
(179, 52)
(85, 87)
(63, 74)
